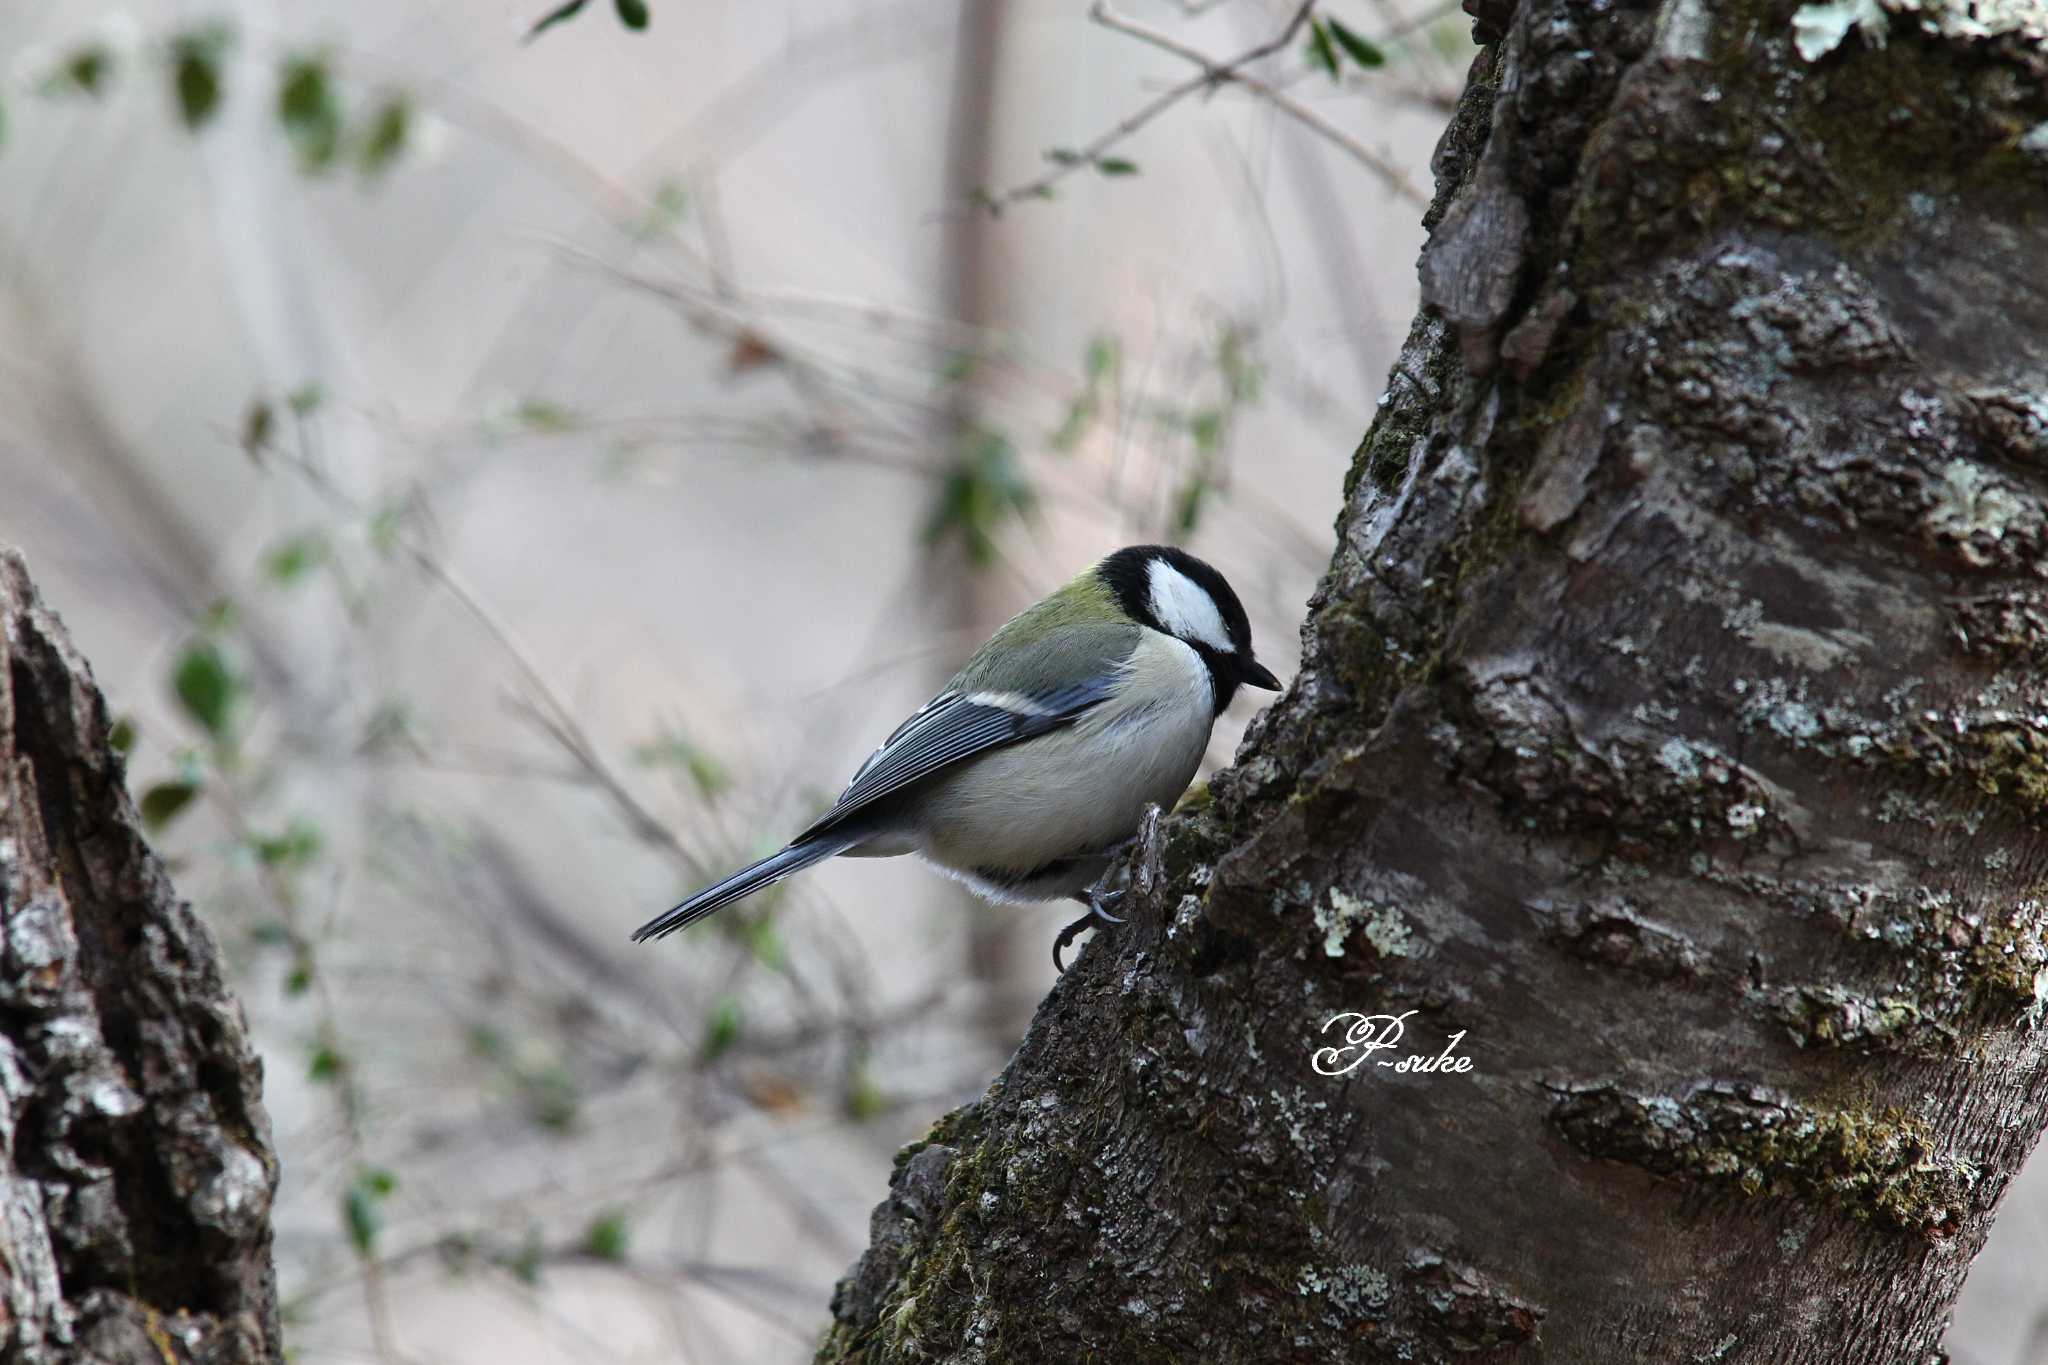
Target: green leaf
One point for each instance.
(765, 942)
(327, 1065)
(391, 725)
(665, 213)
(1360, 50)
(198, 90)
(606, 1238)
(1105, 354)
(309, 110)
(363, 1219)
(300, 979)
(1206, 426)
(196, 57)
(708, 773)
(290, 559)
(386, 524)
(721, 1029)
(1099, 362)
(204, 686)
(555, 16)
(551, 1097)
(161, 803)
(985, 487)
(121, 738)
(1116, 165)
(632, 13)
(486, 1041)
(1063, 156)
(258, 424)
(84, 71)
(544, 414)
(362, 1208)
(359, 1211)
(1189, 509)
(289, 851)
(1240, 371)
(1080, 416)
(864, 1097)
(671, 750)
(390, 128)
(540, 1082)
(1320, 54)
(525, 1266)
(306, 399)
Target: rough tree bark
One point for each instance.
(1671, 725)
(136, 1171)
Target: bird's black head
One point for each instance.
(1170, 590)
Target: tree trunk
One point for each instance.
(136, 1172)
(1671, 734)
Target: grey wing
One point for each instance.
(957, 725)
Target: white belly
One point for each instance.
(1083, 788)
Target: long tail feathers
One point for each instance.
(744, 882)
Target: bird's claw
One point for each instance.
(1098, 912)
(1068, 935)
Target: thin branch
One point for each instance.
(1091, 155)
(1214, 74)
(543, 704)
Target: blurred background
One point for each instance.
(503, 478)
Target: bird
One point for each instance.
(1036, 762)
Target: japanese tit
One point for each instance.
(1024, 774)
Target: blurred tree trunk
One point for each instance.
(961, 595)
(136, 1171)
(1671, 731)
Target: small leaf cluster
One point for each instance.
(309, 106)
(983, 488)
(1330, 36)
(1103, 164)
(632, 13)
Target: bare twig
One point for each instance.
(545, 705)
(1213, 75)
(346, 1086)
(1228, 72)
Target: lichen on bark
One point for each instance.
(136, 1170)
(1674, 685)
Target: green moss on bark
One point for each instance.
(1882, 1167)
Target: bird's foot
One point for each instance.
(1068, 935)
(1098, 912)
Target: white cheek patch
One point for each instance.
(1182, 606)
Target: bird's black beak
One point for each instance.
(1258, 675)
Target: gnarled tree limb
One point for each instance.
(136, 1171)
(1672, 725)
